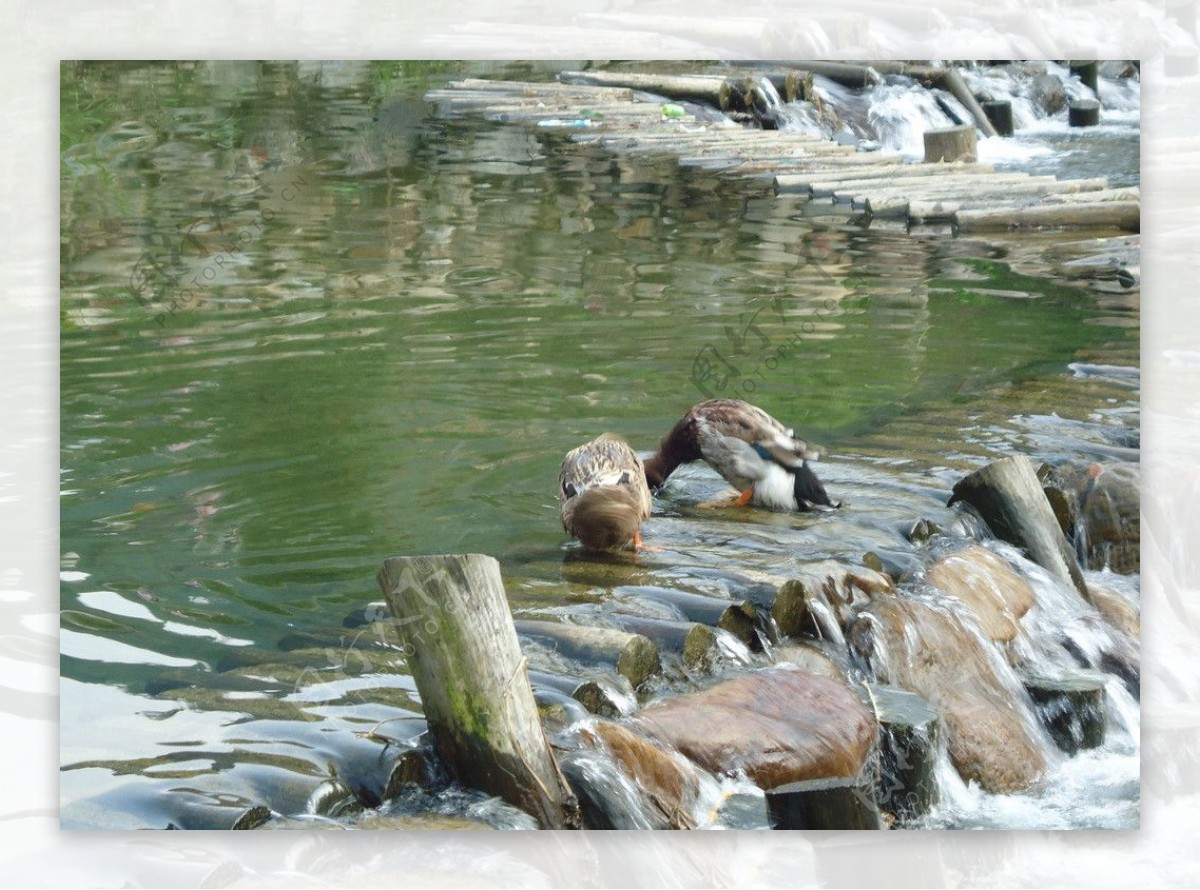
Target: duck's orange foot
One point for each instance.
(744, 498)
(640, 546)
(722, 503)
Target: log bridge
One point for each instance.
(626, 113)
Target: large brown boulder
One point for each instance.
(993, 737)
(987, 586)
(776, 725)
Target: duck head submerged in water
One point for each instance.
(753, 451)
(602, 494)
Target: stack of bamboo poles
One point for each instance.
(618, 116)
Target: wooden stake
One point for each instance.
(452, 614)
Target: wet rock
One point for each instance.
(1118, 69)
(896, 565)
(1117, 609)
(1048, 93)
(991, 736)
(777, 726)
(420, 822)
(1112, 519)
(919, 531)
(987, 586)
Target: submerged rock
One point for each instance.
(987, 586)
(1099, 509)
(776, 725)
(992, 739)
(1118, 610)
(1048, 93)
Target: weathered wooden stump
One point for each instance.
(947, 144)
(634, 656)
(909, 738)
(452, 614)
(824, 804)
(1083, 113)
(1007, 494)
(1071, 708)
(1001, 115)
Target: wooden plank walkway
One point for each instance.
(970, 197)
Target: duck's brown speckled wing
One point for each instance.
(606, 460)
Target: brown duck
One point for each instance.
(602, 493)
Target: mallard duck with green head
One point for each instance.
(754, 452)
(602, 494)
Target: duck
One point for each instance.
(603, 496)
(754, 452)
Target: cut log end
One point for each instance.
(948, 144)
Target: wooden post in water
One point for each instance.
(1009, 497)
(1000, 113)
(1088, 72)
(1084, 113)
(950, 144)
(452, 614)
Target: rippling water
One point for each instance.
(308, 323)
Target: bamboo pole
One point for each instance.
(945, 209)
(452, 614)
(686, 87)
(696, 644)
(738, 617)
(633, 655)
(951, 81)
(1123, 215)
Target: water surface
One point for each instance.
(309, 323)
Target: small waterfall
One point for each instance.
(900, 113)
(770, 95)
(827, 619)
(610, 799)
(731, 648)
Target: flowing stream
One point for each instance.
(309, 322)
